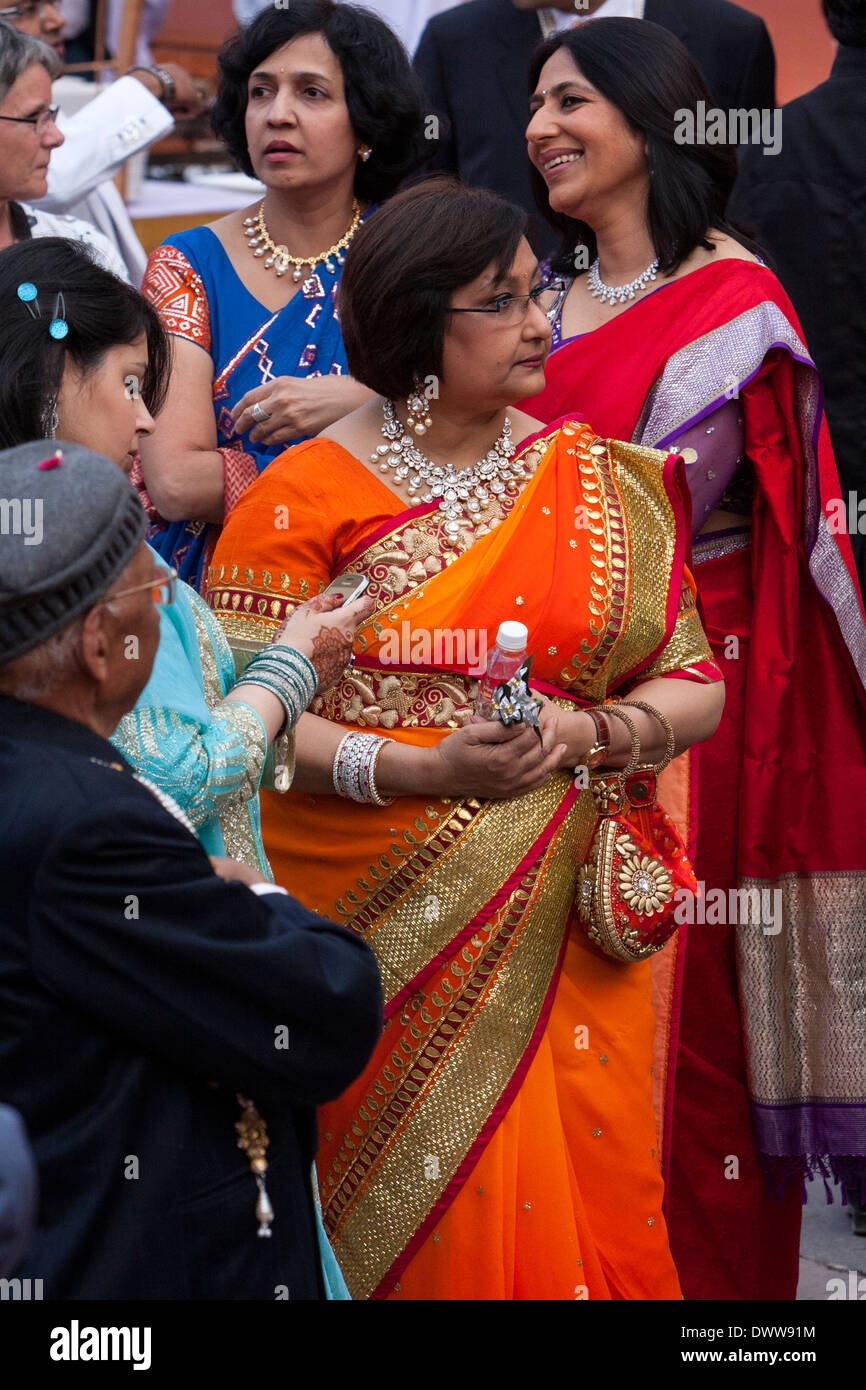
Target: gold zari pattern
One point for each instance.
(449, 1065)
(467, 905)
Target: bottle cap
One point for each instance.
(512, 637)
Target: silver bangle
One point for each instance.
(354, 768)
(287, 674)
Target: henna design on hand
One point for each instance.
(331, 651)
(323, 603)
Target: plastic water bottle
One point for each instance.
(504, 659)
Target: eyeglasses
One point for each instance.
(41, 121)
(512, 308)
(30, 9)
(164, 590)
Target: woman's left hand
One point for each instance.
(323, 629)
(298, 407)
(548, 718)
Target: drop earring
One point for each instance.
(365, 152)
(418, 416)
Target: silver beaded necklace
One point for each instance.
(464, 492)
(618, 294)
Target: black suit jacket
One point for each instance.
(807, 206)
(473, 62)
(17, 1190)
(138, 994)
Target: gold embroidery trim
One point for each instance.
(386, 699)
(688, 646)
(236, 820)
(447, 879)
(449, 1068)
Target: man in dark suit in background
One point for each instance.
(474, 59)
(152, 1010)
(807, 206)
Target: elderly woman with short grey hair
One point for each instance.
(28, 134)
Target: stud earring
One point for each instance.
(365, 152)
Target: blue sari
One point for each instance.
(198, 294)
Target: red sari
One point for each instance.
(767, 1013)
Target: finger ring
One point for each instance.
(259, 414)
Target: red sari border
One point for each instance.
(490, 907)
(386, 1286)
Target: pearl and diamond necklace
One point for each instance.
(618, 294)
(464, 493)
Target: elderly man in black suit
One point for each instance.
(167, 1031)
(473, 61)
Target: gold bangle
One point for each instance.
(667, 728)
(634, 759)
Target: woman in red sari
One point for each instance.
(673, 334)
(474, 1157)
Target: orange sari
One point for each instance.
(502, 1142)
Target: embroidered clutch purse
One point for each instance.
(635, 865)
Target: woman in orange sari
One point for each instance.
(474, 1157)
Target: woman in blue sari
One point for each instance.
(320, 103)
(197, 735)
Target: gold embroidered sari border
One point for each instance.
(458, 1070)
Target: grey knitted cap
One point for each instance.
(66, 533)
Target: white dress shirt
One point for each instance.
(123, 119)
(557, 20)
(406, 17)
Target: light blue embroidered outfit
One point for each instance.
(209, 757)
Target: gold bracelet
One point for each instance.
(667, 729)
(634, 758)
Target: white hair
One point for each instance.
(44, 668)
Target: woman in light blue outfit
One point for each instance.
(200, 738)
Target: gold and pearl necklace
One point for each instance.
(260, 241)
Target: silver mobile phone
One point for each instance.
(351, 586)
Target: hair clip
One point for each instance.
(27, 293)
(53, 462)
(58, 327)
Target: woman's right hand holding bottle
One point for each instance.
(487, 760)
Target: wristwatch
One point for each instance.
(165, 80)
(595, 756)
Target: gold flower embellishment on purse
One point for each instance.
(645, 884)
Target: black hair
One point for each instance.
(402, 269)
(383, 95)
(847, 21)
(101, 312)
(650, 76)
